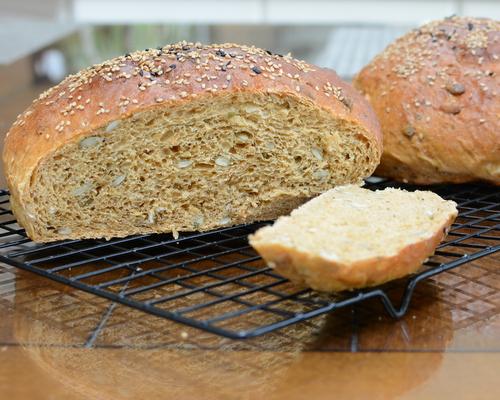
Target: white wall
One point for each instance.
(231, 12)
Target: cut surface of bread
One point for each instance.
(435, 91)
(351, 237)
(185, 138)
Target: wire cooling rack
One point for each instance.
(216, 282)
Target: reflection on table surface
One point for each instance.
(76, 345)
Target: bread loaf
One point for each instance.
(185, 137)
(436, 93)
(351, 237)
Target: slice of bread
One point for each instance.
(351, 237)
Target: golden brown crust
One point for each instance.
(144, 79)
(435, 91)
(165, 77)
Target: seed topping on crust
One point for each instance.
(162, 68)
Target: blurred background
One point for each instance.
(42, 41)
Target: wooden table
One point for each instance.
(447, 346)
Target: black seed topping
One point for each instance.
(256, 70)
(173, 66)
(127, 55)
(470, 26)
(223, 68)
(140, 84)
(179, 56)
(268, 52)
(141, 72)
(185, 47)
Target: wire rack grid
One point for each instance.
(216, 282)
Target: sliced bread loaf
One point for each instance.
(351, 237)
(185, 137)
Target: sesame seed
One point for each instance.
(151, 63)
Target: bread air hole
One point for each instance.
(166, 136)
